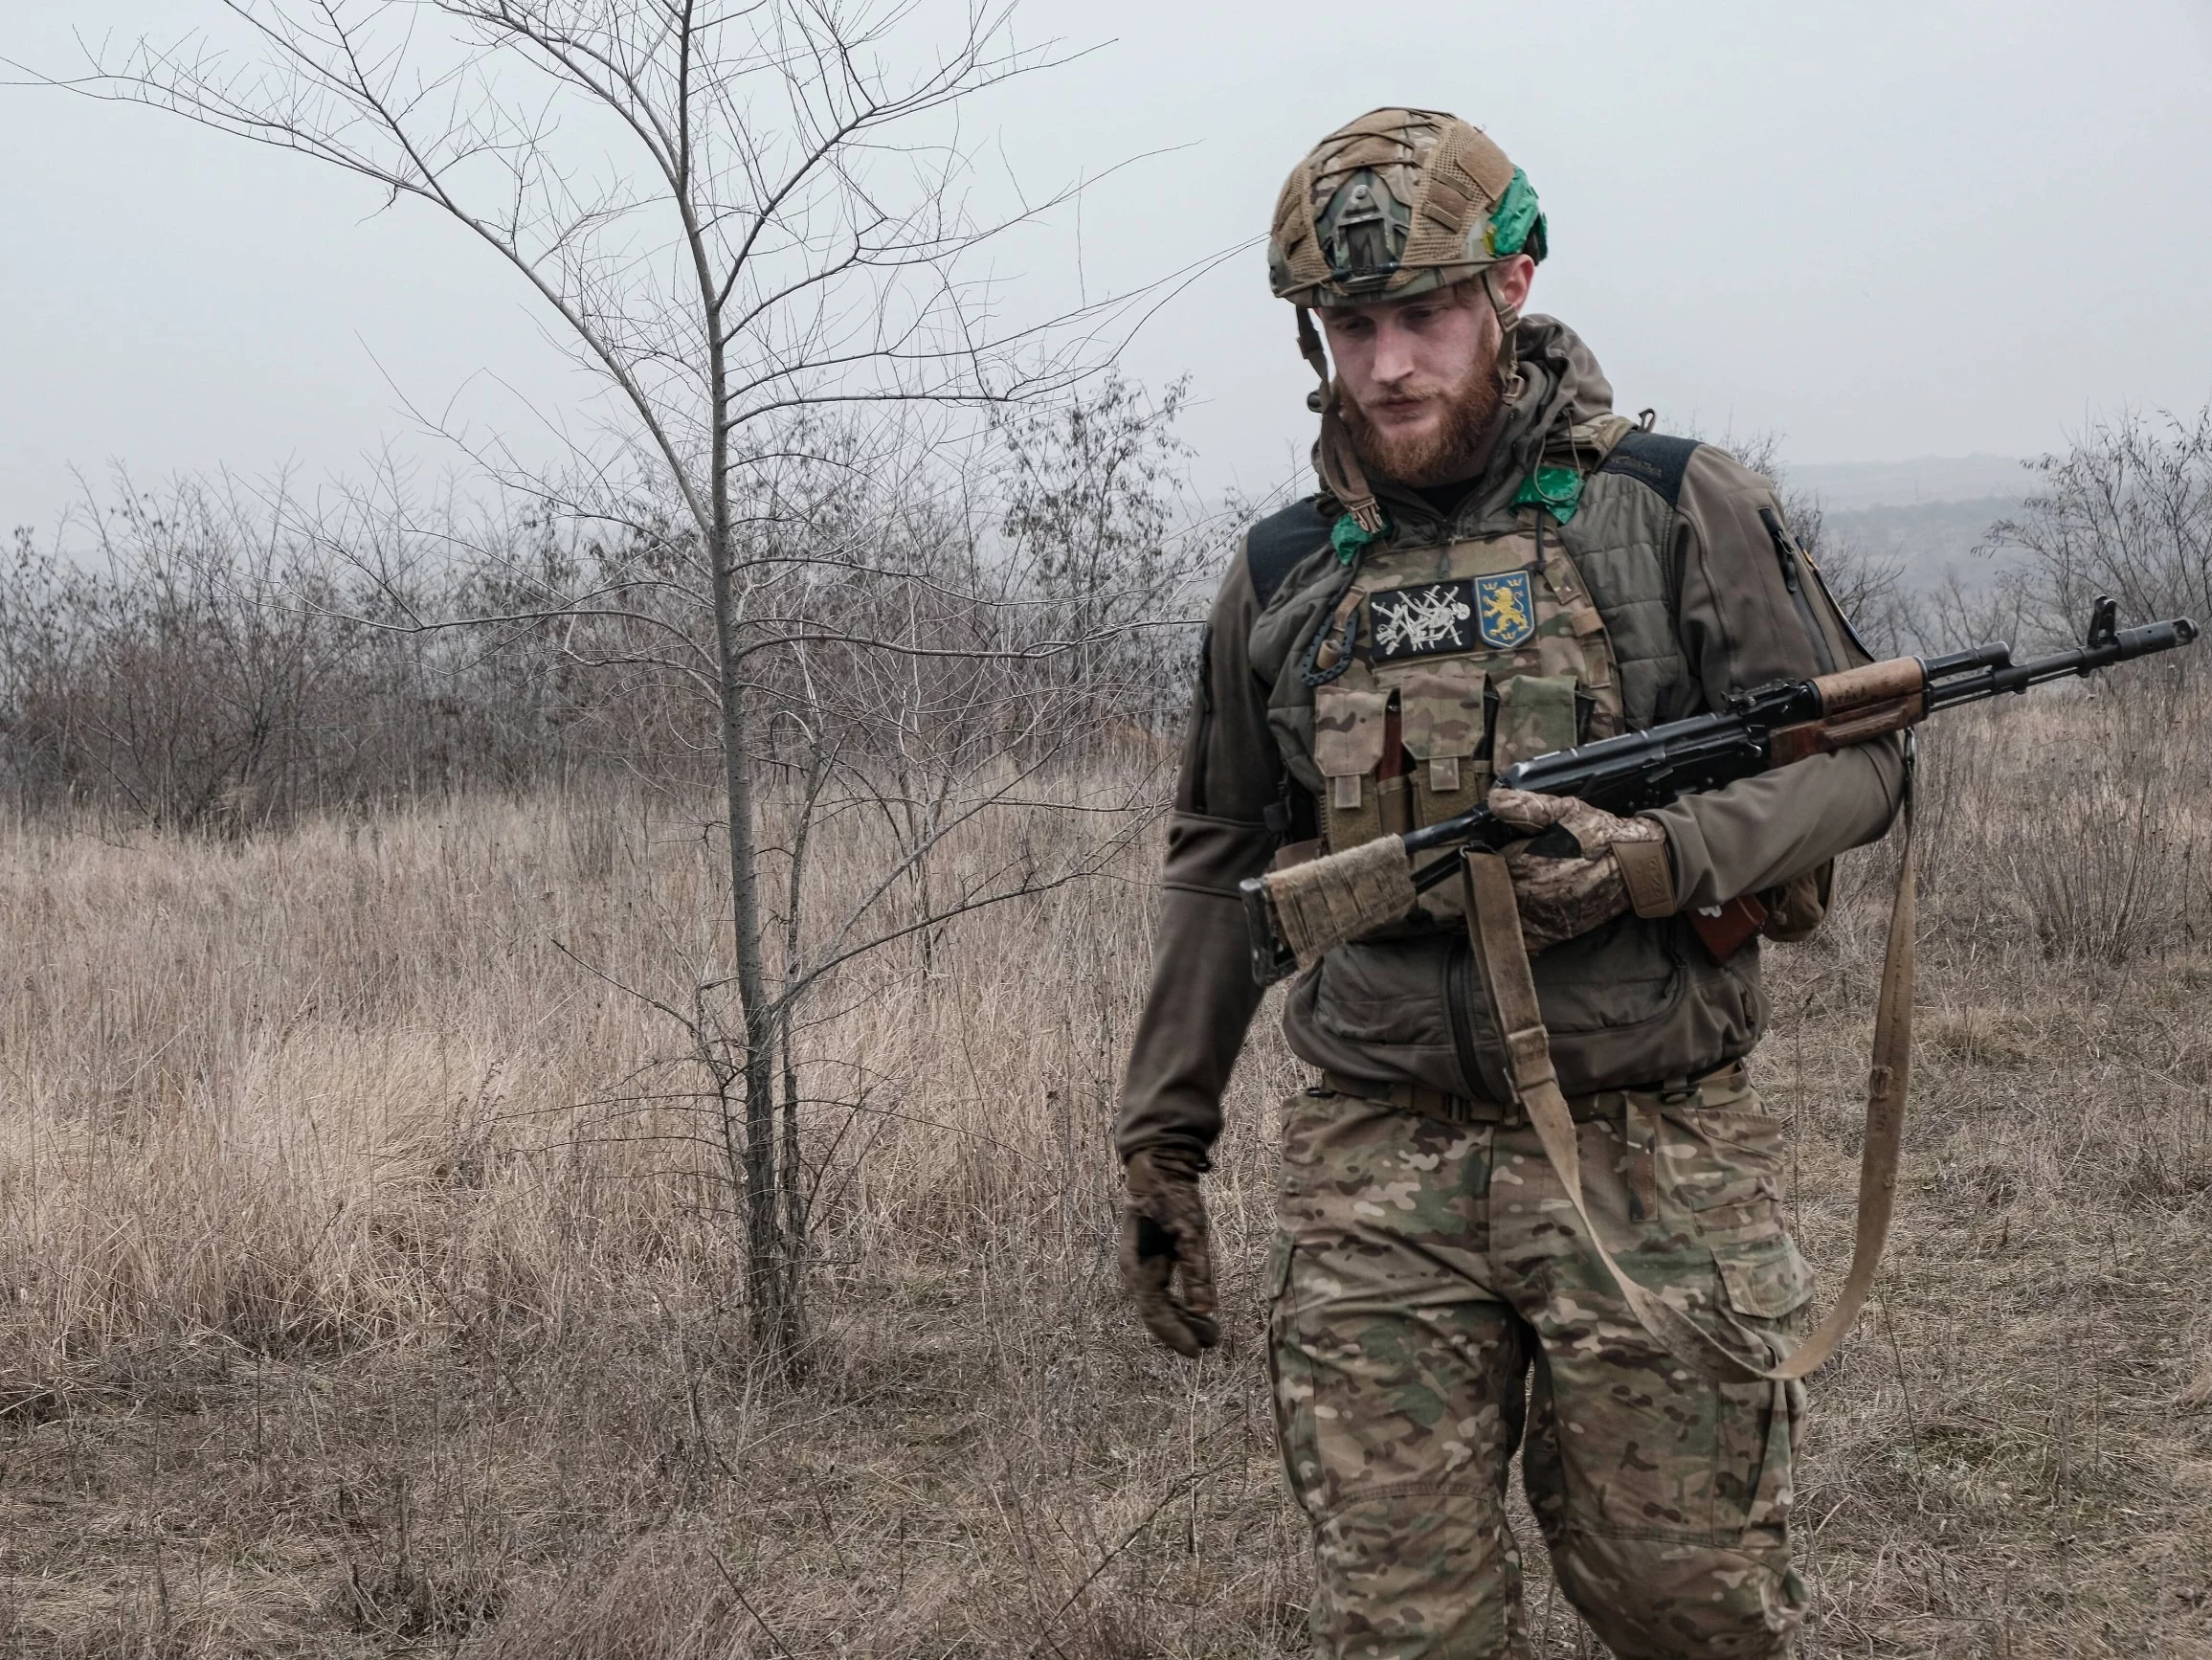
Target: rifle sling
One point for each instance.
(1494, 925)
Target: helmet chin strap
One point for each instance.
(1510, 385)
(1334, 457)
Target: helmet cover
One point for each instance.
(1396, 203)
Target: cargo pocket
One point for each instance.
(1536, 717)
(1278, 1276)
(1756, 1455)
(1296, 1164)
(1763, 1275)
(1348, 728)
(1718, 1168)
(1764, 1280)
(1290, 1382)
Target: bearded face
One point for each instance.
(1418, 384)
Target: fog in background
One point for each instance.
(1886, 232)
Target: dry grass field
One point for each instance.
(364, 1293)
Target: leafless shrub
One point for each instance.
(178, 664)
(194, 657)
(1954, 614)
(2077, 821)
(2127, 511)
(1094, 502)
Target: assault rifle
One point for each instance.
(1761, 729)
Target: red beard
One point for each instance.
(1454, 449)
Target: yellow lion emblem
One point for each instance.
(1505, 603)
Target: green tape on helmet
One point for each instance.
(1517, 223)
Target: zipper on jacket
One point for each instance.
(1786, 551)
(1459, 992)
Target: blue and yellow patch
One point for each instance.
(1504, 609)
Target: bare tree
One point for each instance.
(750, 222)
(2125, 512)
(1095, 505)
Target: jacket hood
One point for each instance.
(1576, 389)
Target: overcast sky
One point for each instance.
(1886, 230)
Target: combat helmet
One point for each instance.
(1394, 204)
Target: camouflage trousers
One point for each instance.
(1434, 1305)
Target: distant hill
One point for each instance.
(1930, 537)
(1930, 514)
(1847, 485)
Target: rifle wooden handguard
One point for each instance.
(1873, 683)
(1858, 725)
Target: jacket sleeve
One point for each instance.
(1742, 626)
(1204, 996)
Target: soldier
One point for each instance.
(1497, 565)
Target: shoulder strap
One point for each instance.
(1652, 458)
(1494, 925)
(1275, 545)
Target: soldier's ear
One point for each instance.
(1512, 276)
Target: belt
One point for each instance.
(1711, 1088)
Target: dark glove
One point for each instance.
(1164, 1231)
(1582, 866)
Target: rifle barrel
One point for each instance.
(2122, 646)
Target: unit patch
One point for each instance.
(1416, 622)
(1506, 610)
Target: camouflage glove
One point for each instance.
(1581, 867)
(1164, 1230)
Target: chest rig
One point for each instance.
(1437, 667)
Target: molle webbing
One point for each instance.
(1438, 666)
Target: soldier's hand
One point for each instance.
(1164, 1238)
(1570, 875)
